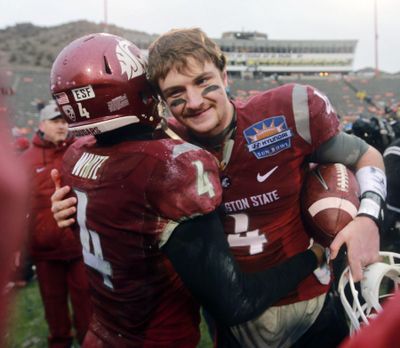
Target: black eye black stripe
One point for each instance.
(210, 89)
(177, 102)
(205, 91)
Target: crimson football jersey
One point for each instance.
(261, 183)
(131, 196)
(275, 132)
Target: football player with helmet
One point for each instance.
(263, 146)
(146, 209)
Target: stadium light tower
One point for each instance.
(376, 38)
(105, 17)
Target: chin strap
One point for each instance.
(169, 131)
(226, 153)
(164, 113)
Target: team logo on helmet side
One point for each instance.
(131, 65)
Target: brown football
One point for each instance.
(329, 200)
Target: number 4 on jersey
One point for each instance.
(204, 184)
(243, 237)
(94, 260)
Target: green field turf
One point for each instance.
(28, 328)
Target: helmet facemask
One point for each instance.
(362, 303)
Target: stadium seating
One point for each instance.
(383, 91)
(32, 87)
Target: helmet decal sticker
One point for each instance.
(131, 65)
(69, 111)
(61, 98)
(118, 103)
(83, 93)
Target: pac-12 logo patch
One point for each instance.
(268, 137)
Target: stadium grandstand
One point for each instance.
(252, 54)
(26, 90)
(351, 95)
(255, 63)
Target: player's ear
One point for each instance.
(225, 77)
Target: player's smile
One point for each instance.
(198, 115)
(197, 98)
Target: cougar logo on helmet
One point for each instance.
(131, 65)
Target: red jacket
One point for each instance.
(46, 240)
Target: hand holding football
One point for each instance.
(329, 201)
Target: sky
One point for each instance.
(280, 20)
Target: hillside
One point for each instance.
(31, 46)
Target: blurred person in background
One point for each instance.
(23, 266)
(55, 252)
(21, 144)
(12, 200)
(391, 230)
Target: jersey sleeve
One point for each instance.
(185, 185)
(324, 122)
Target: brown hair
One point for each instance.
(172, 50)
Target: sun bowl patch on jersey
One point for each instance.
(329, 201)
(268, 137)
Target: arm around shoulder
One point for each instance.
(200, 254)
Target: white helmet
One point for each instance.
(386, 273)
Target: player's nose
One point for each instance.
(194, 99)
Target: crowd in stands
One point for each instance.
(349, 95)
(27, 92)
